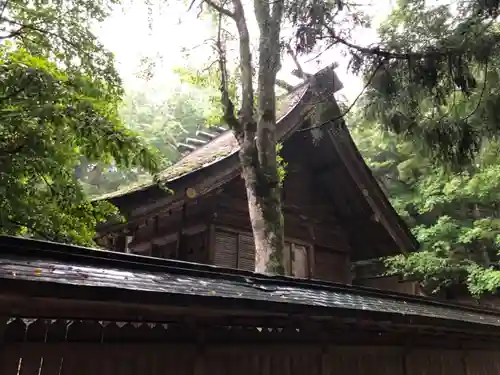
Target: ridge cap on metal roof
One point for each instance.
(18, 247)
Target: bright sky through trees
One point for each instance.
(131, 35)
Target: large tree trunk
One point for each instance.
(264, 207)
(265, 210)
(257, 134)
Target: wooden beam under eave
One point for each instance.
(163, 239)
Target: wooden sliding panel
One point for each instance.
(246, 252)
(234, 250)
(237, 250)
(226, 245)
(331, 265)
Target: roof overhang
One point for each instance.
(37, 271)
(213, 169)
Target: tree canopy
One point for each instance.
(453, 215)
(428, 126)
(434, 77)
(59, 102)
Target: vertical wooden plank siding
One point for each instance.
(9, 362)
(52, 362)
(241, 359)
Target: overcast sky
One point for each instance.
(131, 36)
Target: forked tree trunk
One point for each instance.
(256, 134)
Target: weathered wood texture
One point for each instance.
(391, 283)
(328, 222)
(125, 359)
(89, 348)
(317, 245)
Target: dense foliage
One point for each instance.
(59, 101)
(436, 81)
(455, 216)
(432, 103)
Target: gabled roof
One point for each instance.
(32, 268)
(215, 163)
(223, 146)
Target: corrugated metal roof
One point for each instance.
(54, 263)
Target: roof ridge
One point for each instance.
(45, 251)
(208, 154)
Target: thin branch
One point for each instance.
(220, 8)
(285, 85)
(480, 95)
(394, 55)
(247, 106)
(29, 227)
(368, 82)
(12, 34)
(300, 71)
(4, 6)
(47, 32)
(229, 115)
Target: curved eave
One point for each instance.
(286, 123)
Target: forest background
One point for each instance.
(79, 122)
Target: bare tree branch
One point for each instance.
(247, 107)
(377, 51)
(229, 115)
(285, 85)
(4, 6)
(299, 72)
(12, 34)
(220, 8)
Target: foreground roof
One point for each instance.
(90, 272)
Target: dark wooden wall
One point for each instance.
(309, 224)
(216, 229)
(140, 359)
(107, 348)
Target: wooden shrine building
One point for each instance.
(334, 211)
(68, 310)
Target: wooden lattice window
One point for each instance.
(237, 250)
(234, 250)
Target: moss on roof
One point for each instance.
(219, 148)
